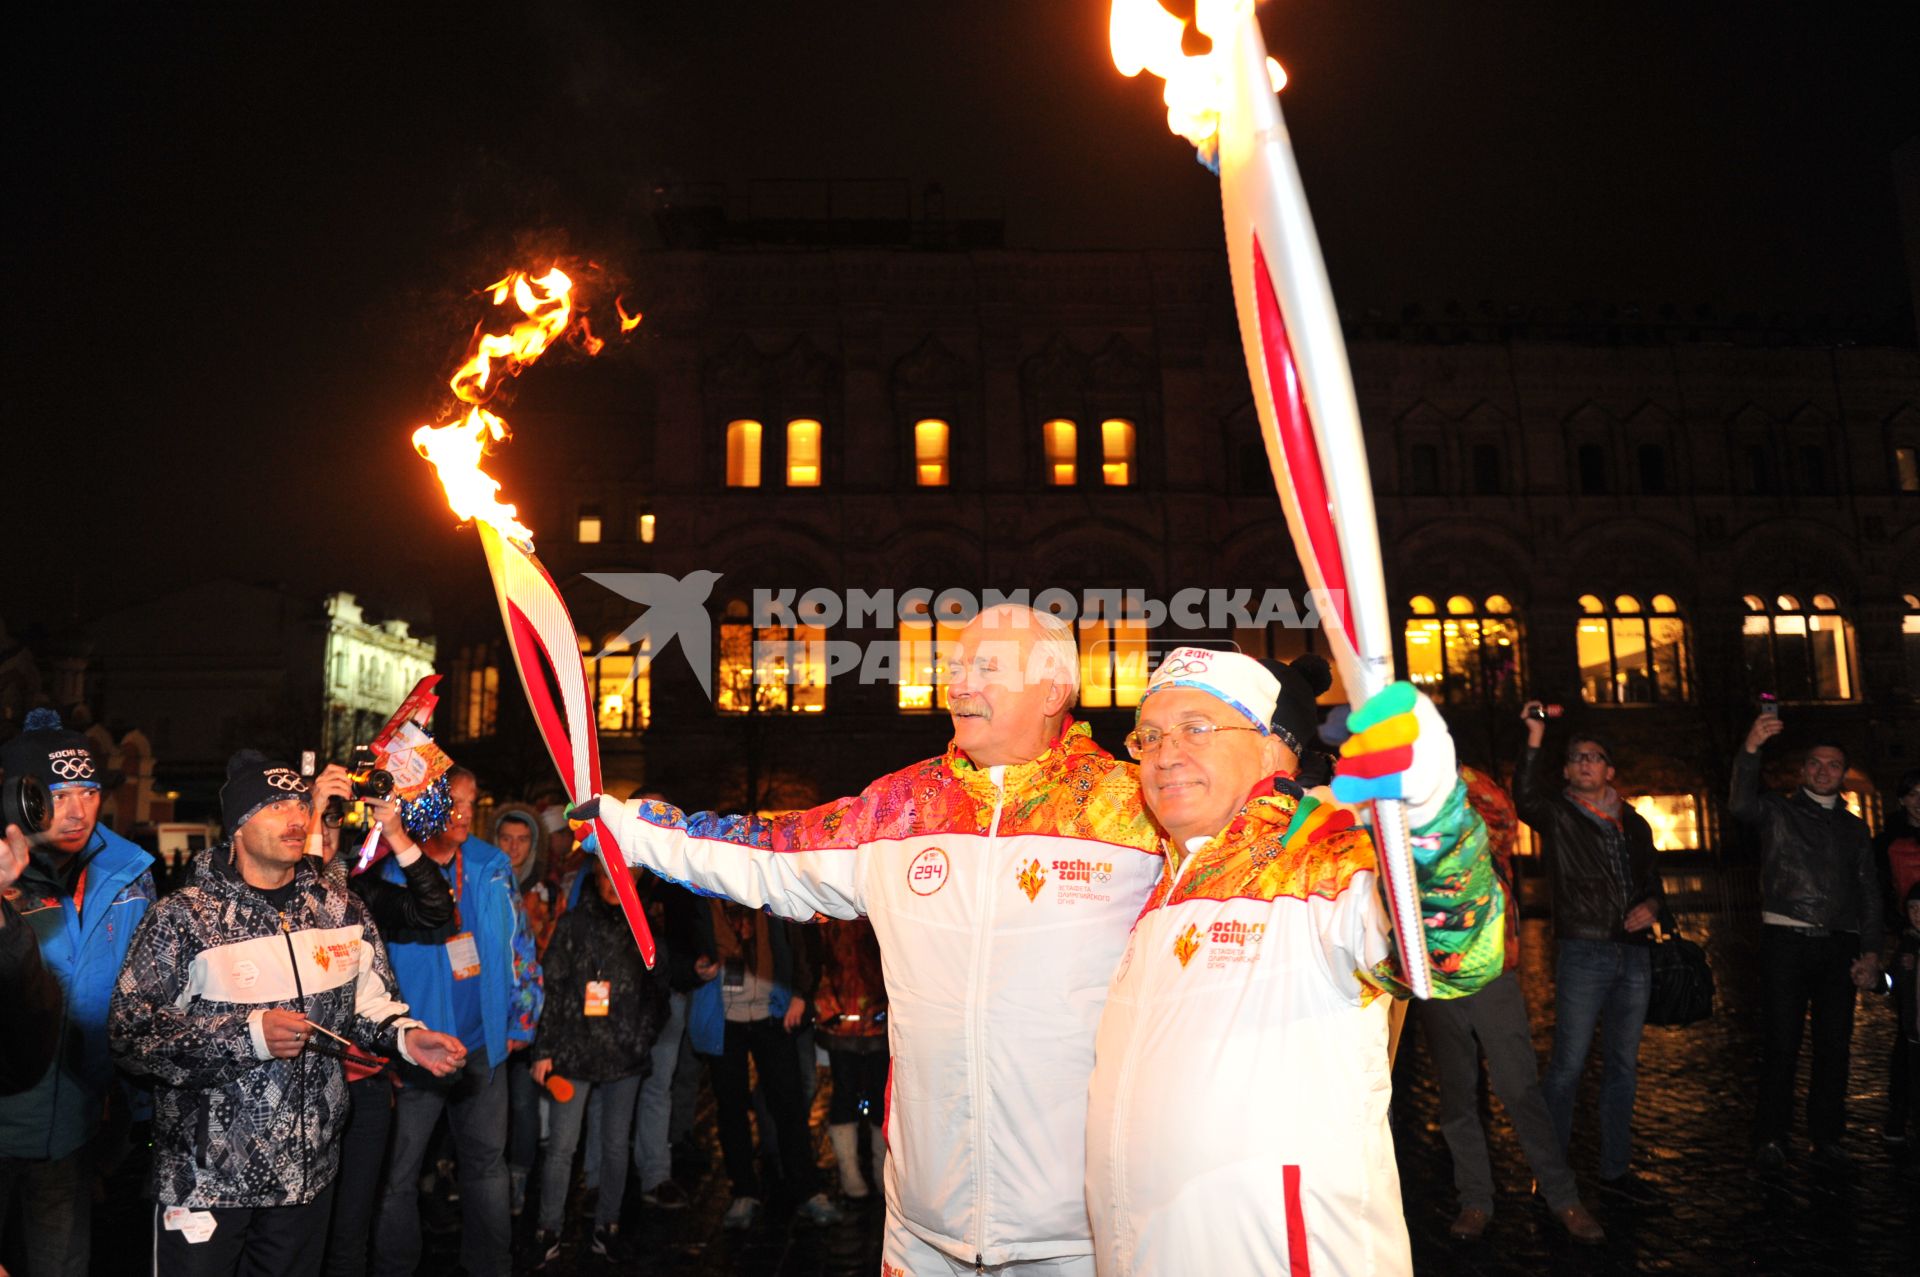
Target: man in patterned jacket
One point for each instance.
(234, 1001)
(1000, 879)
(1238, 1105)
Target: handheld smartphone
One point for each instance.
(1769, 705)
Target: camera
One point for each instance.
(1769, 705)
(1541, 713)
(368, 781)
(24, 802)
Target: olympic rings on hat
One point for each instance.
(68, 768)
(282, 778)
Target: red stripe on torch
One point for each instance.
(526, 644)
(1295, 429)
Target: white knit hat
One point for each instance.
(1239, 680)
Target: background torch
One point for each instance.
(1223, 102)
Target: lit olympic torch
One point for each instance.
(540, 633)
(1223, 102)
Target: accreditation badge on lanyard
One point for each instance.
(463, 955)
(599, 997)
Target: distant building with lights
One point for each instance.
(1650, 519)
(280, 671)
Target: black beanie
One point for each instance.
(254, 781)
(47, 748)
(1296, 716)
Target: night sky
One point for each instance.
(245, 231)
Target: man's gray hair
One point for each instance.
(1055, 654)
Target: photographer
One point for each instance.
(228, 982)
(1820, 903)
(30, 1013)
(1607, 895)
(422, 901)
(82, 891)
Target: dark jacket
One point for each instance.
(30, 1010)
(1816, 864)
(234, 1125)
(423, 902)
(795, 975)
(1599, 871)
(592, 942)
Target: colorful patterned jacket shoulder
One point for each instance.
(1075, 789)
(1279, 846)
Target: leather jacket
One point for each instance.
(1599, 871)
(1816, 863)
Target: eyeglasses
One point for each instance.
(1588, 756)
(1142, 741)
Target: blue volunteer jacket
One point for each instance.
(488, 906)
(84, 950)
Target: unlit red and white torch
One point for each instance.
(1224, 103)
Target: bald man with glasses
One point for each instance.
(1607, 895)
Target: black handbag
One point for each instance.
(1682, 983)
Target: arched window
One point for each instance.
(1060, 439)
(772, 669)
(1113, 658)
(930, 453)
(1631, 654)
(1798, 647)
(926, 644)
(1910, 643)
(1116, 453)
(803, 453)
(1470, 656)
(621, 684)
(743, 454)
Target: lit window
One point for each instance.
(1116, 453)
(1472, 657)
(645, 529)
(478, 682)
(743, 454)
(1796, 653)
(770, 670)
(1906, 469)
(1061, 440)
(1675, 819)
(925, 649)
(1910, 643)
(1627, 657)
(803, 453)
(930, 453)
(587, 529)
(621, 686)
(1113, 661)
(1281, 642)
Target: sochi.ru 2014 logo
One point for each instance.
(928, 872)
(1031, 879)
(1187, 944)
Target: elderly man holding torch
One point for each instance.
(1238, 1110)
(1000, 879)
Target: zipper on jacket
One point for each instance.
(982, 948)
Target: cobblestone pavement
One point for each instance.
(1691, 1124)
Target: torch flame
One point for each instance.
(457, 448)
(1145, 37)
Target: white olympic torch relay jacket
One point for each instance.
(1238, 1109)
(1001, 899)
